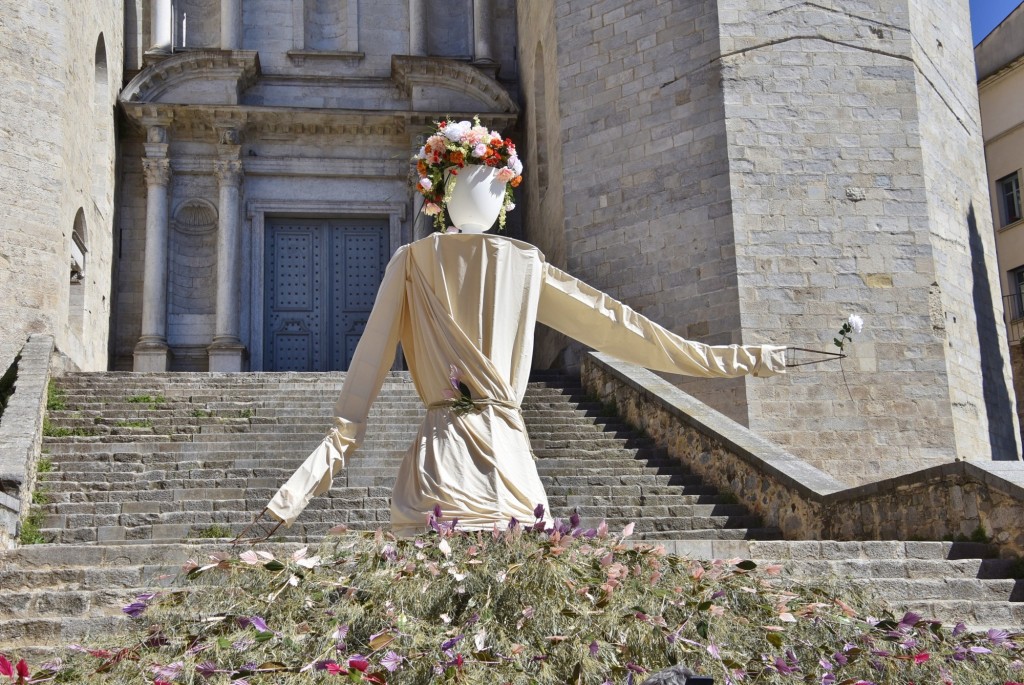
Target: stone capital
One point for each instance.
(157, 171)
(229, 171)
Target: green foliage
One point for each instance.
(44, 465)
(201, 413)
(56, 399)
(30, 530)
(51, 430)
(524, 608)
(214, 531)
(40, 496)
(146, 399)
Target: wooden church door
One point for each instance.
(322, 276)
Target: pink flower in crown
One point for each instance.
(431, 209)
(505, 175)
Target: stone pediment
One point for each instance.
(196, 77)
(445, 85)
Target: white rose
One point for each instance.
(856, 323)
(425, 183)
(480, 150)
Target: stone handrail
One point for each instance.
(950, 501)
(21, 435)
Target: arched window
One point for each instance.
(103, 129)
(76, 295)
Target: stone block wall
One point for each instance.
(645, 169)
(962, 236)
(755, 171)
(60, 71)
(542, 192)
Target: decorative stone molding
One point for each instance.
(229, 171)
(241, 66)
(195, 217)
(410, 72)
(157, 171)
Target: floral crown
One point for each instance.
(452, 146)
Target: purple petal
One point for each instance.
(259, 624)
(206, 669)
(135, 609)
(538, 511)
(593, 648)
(958, 629)
(981, 650)
(513, 523)
(910, 619)
(997, 636)
(437, 512)
(574, 519)
(448, 644)
(391, 661)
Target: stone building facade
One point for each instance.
(265, 167)
(742, 171)
(749, 171)
(60, 73)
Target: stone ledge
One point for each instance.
(21, 433)
(941, 502)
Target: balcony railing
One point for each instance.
(1013, 312)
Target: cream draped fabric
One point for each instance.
(471, 301)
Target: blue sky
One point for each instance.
(986, 15)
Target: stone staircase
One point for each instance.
(142, 471)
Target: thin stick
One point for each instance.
(828, 356)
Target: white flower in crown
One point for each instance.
(515, 165)
(456, 130)
(431, 209)
(425, 183)
(480, 150)
(856, 323)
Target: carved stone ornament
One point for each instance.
(229, 171)
(156, 134)
(157, 171)
(229, 136)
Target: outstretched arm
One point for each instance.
(370, 364)
(570, 306)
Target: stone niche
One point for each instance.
(192, 284)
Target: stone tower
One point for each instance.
(750, 171)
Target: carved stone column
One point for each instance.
(231, 24)
(227, 352)
(483, 42)
(151, 352)
(418, 27)
(160, 27)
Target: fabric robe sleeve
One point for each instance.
(370, 364)
(570, 306)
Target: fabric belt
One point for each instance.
(483, 401)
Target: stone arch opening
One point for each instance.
(103, 127)
(79, 250)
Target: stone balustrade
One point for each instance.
(951, 501)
